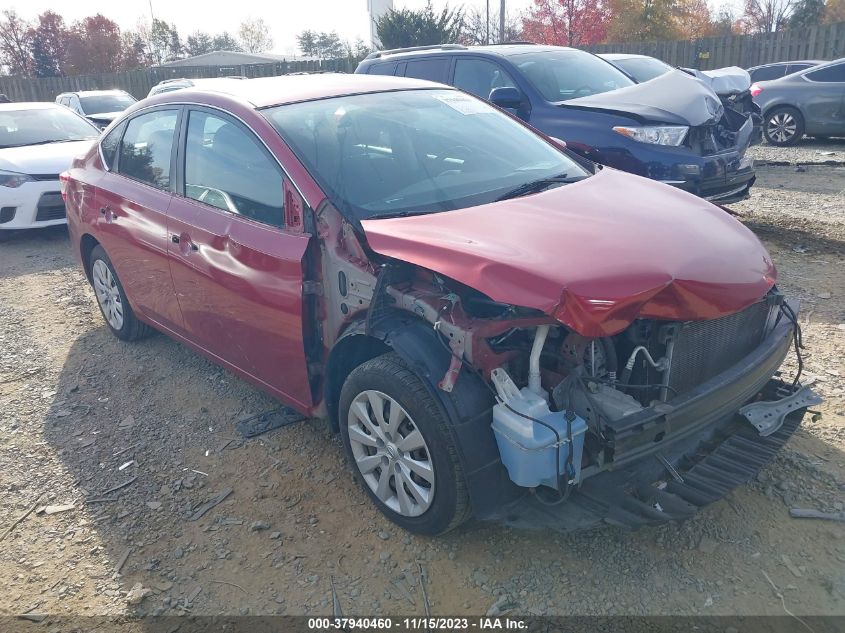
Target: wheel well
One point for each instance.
(782, 106)
(349, 352)
(87, 245)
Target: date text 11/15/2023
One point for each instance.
(483, 623)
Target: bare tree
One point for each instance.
(15, 41)
(254, 35)
(766, 16)
(479, 30)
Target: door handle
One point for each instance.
(187, 244)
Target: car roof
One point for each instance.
(94, 92)
(620, 56)
(30, 105)
(269, 91)
(832, 62)
(794, 61)
(500, 50)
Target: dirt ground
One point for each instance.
(82, 414)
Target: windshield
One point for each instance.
(43, 125)
(643, 68)
(105, 103)
(569, 74)
(415, 151)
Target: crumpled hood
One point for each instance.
(595, 254)
(52, 158)
(674, 97)
(725, 82)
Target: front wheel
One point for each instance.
(112, 299)
(403, 454)
(783, 126)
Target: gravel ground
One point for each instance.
(82, 414)
(808, 151)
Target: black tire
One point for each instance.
(390, 375)
(783, 126)
(131, 329)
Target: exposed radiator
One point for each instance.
(706, 348)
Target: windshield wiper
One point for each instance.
(403, 214)
(535, 186)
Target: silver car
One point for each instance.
(807, 102)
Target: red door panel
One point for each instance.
(132, 228)
(239, 285)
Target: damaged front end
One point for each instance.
(733, 87)
(659, 403)
(720, 119)
(630, 409)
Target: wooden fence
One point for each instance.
(139, 82)
(817, 42)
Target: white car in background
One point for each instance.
(180, 83)
(101, 107)
(38, 141)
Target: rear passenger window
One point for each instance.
(109, 145)
(480, 76)
(226, 167)
(830, 74)
(431, 69)
(146, 147)
(385, 68)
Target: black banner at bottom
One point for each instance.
(45, 623)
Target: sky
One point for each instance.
(286, 18)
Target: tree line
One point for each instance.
(586, 22)
(50, 47)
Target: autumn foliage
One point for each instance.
(567, 22)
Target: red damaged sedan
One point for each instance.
(496, 327)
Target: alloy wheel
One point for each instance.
(391, 453)
(782, 127)
(108, 294)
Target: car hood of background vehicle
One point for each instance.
(725, 82)
(104, 116)
(595, 254)
(52, 158)
(674, 97)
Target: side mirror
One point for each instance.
(559, 143)
(505, 97)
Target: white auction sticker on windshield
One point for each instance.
(464, 104)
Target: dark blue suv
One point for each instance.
(673, 128)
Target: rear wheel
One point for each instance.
(111, 298)
(783, 126)
(402, 452)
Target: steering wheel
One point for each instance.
(587, 90)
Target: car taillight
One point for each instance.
(755, 90)
(64, 177)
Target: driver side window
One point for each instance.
(480, 77)
(226, 167)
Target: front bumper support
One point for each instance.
(636, 500)
(768, 416)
